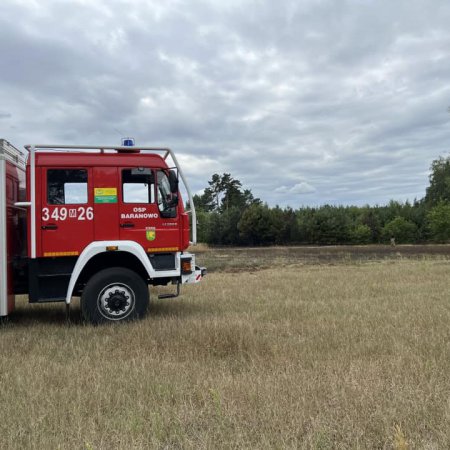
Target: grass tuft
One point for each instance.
(400, 442)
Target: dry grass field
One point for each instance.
(344, 355)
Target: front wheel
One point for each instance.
(113, 295)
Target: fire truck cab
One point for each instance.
(98, 222)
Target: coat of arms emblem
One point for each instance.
(150, 234)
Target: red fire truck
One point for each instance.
(99, 222)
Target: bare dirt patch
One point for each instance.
(233, 259)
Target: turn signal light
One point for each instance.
(186, 266)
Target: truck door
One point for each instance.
(67, 214)
(168, 224)
(140, 211)
(106, 207)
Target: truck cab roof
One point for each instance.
(89, 159)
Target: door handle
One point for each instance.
(127, 225)
(50, 226)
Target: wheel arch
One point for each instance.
(106, 260)
(96, 257)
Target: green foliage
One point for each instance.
(224, 192)
(325, 225)
(230, 215)
(401, 229)
(257, 226)
(439, 189)
(371, 219)
(229, 226)
(202, 224)
(438, 219)
(361, 234)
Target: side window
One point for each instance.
(138, 185)
(166, 205)
(67, 186)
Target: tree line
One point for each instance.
(228, 214)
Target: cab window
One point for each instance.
(67, 186)
(138, 185)
(165, 196)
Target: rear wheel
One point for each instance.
(113, 295)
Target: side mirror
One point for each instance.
(173, 182)
(173, 201)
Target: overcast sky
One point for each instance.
(305, 102)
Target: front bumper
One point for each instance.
(195, 277)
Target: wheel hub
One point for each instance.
(116, 301)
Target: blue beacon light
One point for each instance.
(127, 142)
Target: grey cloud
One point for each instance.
(300, 188)
(348, 97)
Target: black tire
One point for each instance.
(114, 295)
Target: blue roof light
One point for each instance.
(127, 142)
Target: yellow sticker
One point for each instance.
(105, 195)
(105, 191)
